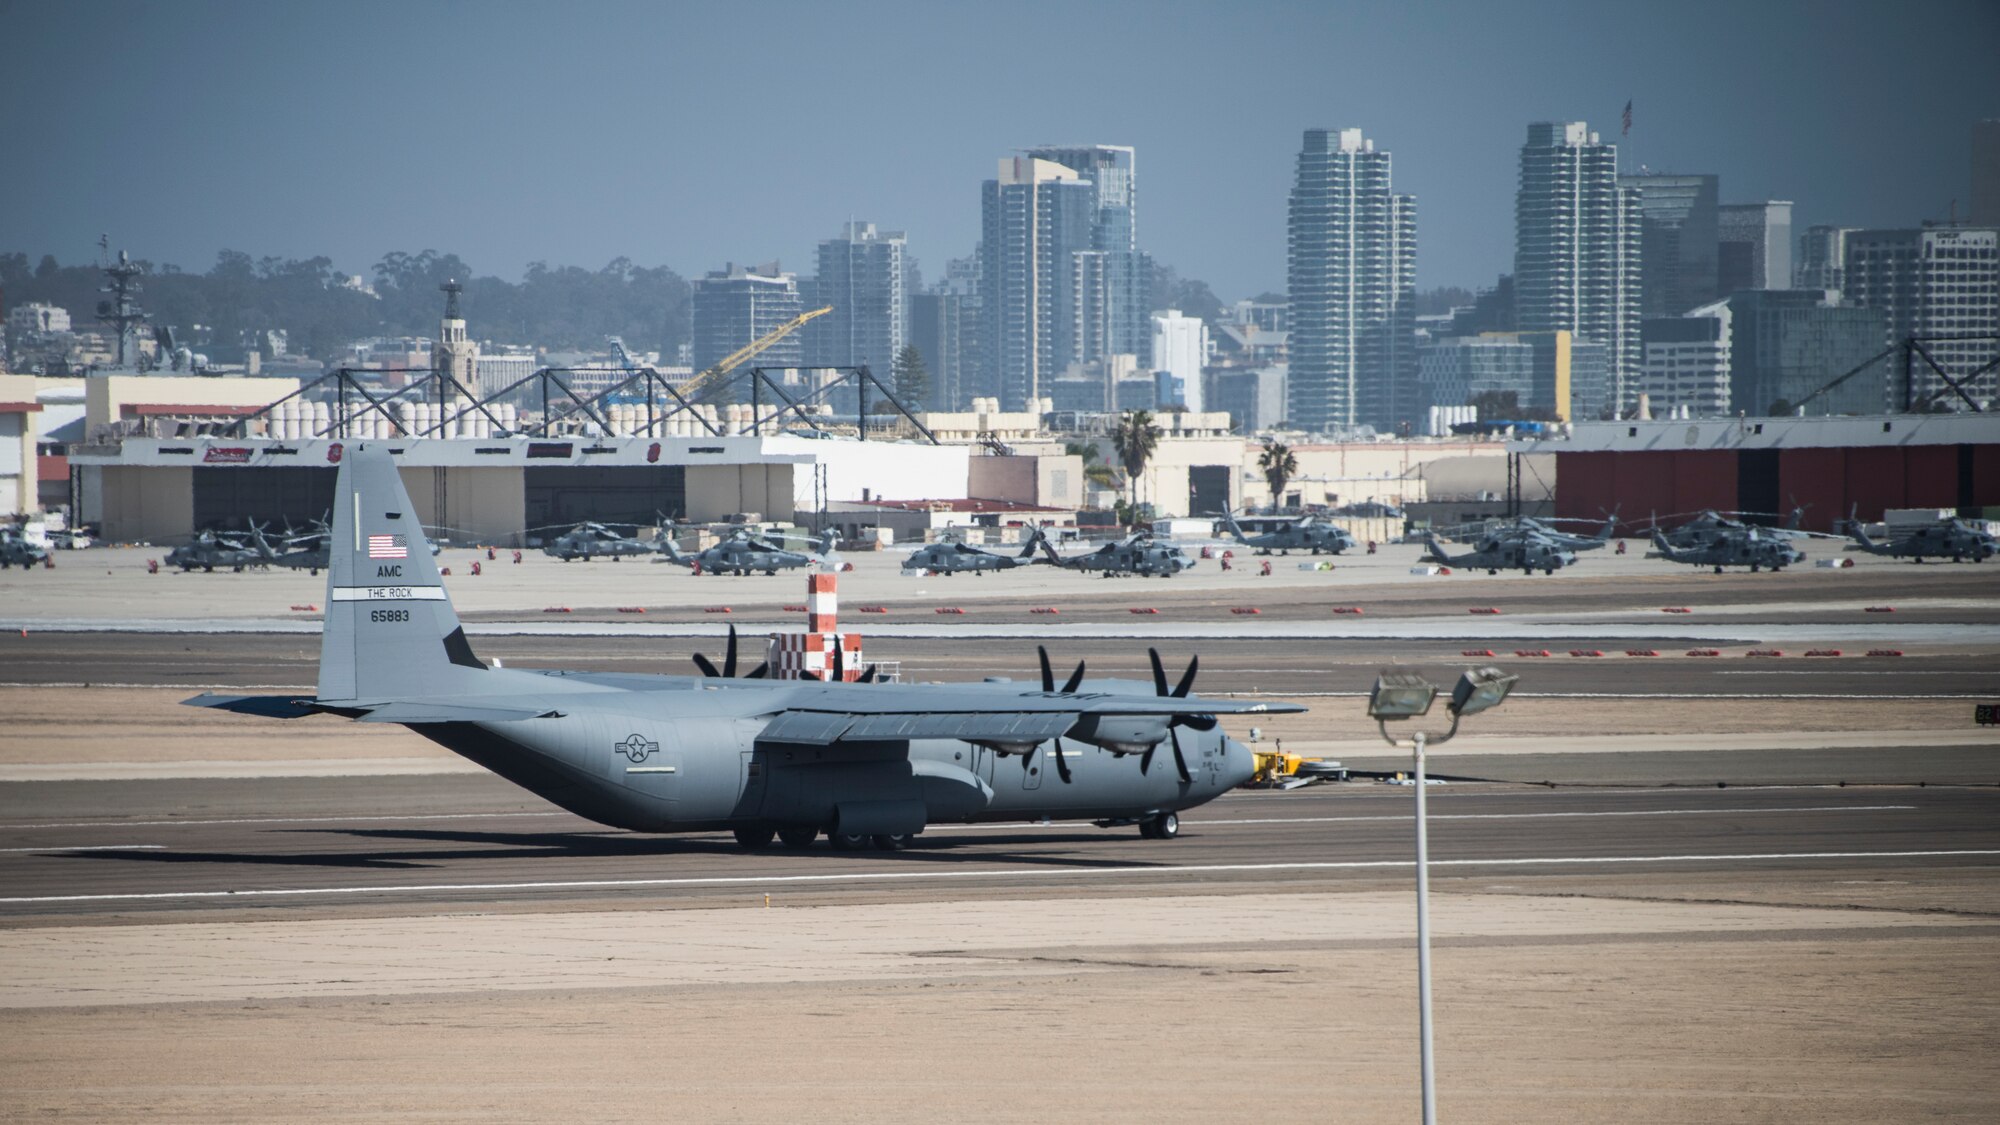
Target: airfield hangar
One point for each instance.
(153, 457)
(1829, 465)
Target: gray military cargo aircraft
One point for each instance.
(1138, 553)
(1308, 533)
(951, 556)
(762, 758)
(1526, 553)
(1754, 547)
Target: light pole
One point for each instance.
(1399, 697)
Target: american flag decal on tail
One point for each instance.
(388, 547)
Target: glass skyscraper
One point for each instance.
(862, 276)
(1035, 217)
(1576, 255)
(1351, 276)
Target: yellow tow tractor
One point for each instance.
(1277, 769)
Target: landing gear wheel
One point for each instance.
(798, 838)
(1165, 826)
(891, 843)
(754, 839)
(846, 841)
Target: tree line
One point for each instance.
(240, 297)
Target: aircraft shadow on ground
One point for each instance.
(593, 845)
(480, 845)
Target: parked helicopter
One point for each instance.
(1307, 533)
(951, 556)
(1139, 553)
(591, 539)
(744, 552)
(1755, 547)
(1709, 525)
(1952, 539)
(208, 550)
(301, 551)
(16, 549)
(1563, 538)
(1526, 553)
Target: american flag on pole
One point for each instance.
(1628, 119)
(388, 547)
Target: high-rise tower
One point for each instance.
(740, 304)
(1352, 281)
(1576, 254)
(1677, 237)
(1035, 217)
(1109, 301)
(862, 276)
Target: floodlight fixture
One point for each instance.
(1400, 695)
(1480, 688)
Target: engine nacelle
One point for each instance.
(1121, 734)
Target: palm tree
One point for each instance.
(1094, 468)
(1277, 464)
(1134, 440)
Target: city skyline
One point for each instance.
(195, 131)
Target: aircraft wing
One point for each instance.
(837, 715)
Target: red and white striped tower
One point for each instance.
(792, 655)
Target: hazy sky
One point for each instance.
(687, 134)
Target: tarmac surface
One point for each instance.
(1667, 888)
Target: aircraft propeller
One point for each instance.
(729, 663)
(1049, 685)
(1192, 722)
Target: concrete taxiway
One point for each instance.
(1655, 899)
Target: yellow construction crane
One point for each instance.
(749, 351)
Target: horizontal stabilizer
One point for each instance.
(419, 711)
(266, 706)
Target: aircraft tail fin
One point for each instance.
(1048, 549)
(1854, 529)
(1028, 545)
(390, 630)
(1229, 518)
(1610, 523)
(1434, 550)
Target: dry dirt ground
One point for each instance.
(1233, 1008)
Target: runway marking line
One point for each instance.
(1001, 873)
(273, 820)
(87, 848)
(1205, 823)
